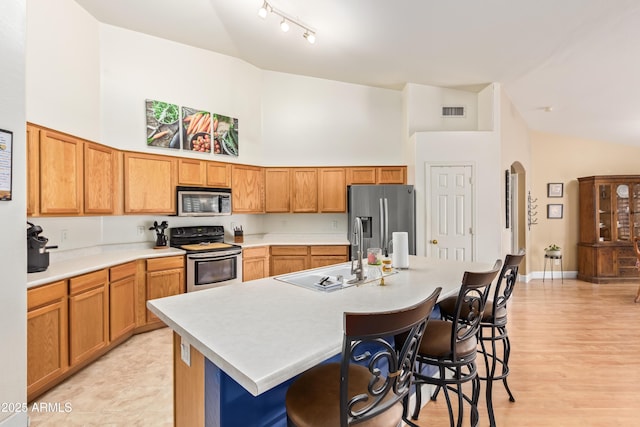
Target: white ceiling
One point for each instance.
(582, 57)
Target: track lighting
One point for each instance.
(266, 8)
(311, 37)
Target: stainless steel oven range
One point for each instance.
(210, 261)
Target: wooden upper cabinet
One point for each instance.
(247, 189)
(332, 190)
(61, 172)
(361, 175)
(201, 173)
(218, 174)
(391, 175)
(304, 189)
(149, 183)
(100, 179)
(278, 189)
(33, 170)
(192, 172)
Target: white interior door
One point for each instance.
(450, 232)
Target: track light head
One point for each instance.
(310, 36)
(284, 25)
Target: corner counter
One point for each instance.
(59, 270)
(255, 337)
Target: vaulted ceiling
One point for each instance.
(580, 57)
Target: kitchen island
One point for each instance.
(244, 343)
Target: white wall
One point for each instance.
(63, 68)
(13, 262)
(172, 72)
(424, 108)
(312, 122)
(480, 149)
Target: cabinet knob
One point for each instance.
(434, 242)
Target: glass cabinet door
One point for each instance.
(635, 210)
(605, 212)
(622, 213)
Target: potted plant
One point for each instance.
(553, 250)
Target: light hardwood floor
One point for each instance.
(573, 363)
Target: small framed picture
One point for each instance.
(554, 211)
(555, 189)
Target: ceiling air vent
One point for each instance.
(448, 111)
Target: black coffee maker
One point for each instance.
(37, 255)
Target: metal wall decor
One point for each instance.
(531, 212)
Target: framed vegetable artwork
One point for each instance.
(163, 124)
(196, 130)
(554, 211)
(225, 135)
(555, 189)
(6, 163)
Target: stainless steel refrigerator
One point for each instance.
(383, 209)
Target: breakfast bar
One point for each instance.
(237, 347)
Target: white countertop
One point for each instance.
(60, 270)
(264, 332)
(267, 239)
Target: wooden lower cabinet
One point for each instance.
(255, 263)
(122, 289)
(328, 255)
(88, 315)
(188, 386)
(165, 277)
(289, 259)
(606, 263)
(47, 341)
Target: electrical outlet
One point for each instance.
(185, 352)
(334, 224)
(140, 230)
(233, 226)
(64, 235)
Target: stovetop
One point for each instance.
(199, 238)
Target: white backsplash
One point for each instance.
(75, 236)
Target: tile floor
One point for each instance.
(125, 387)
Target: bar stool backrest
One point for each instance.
(504, 287)
(470, 305)
(366, 342)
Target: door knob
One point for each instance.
(434, 242)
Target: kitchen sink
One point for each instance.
(311, 279)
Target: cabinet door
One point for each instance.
(283, 264)
(61, 174)
(304, 189)
(247, 189)
(192, 172)
(33, 170)
(332, 190)
(361, 175)
(163, 283)
(122, 288)
(256, 268)
(149, 183)
(392, 175)
(622, 210)
(100, 179)
(218, 174)
(88, 315)
(278, 189)
(47, 341)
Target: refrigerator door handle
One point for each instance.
(385, 245)
(381, 223)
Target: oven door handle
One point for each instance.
(211, 256)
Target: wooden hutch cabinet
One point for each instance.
(609, 220)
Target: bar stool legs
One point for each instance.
(494, 362)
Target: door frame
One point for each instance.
(428, 208)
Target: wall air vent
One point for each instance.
(449, 111)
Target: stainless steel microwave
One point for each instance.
(203, 201)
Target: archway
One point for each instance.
(518, 211)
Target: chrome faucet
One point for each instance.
(358, 246)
